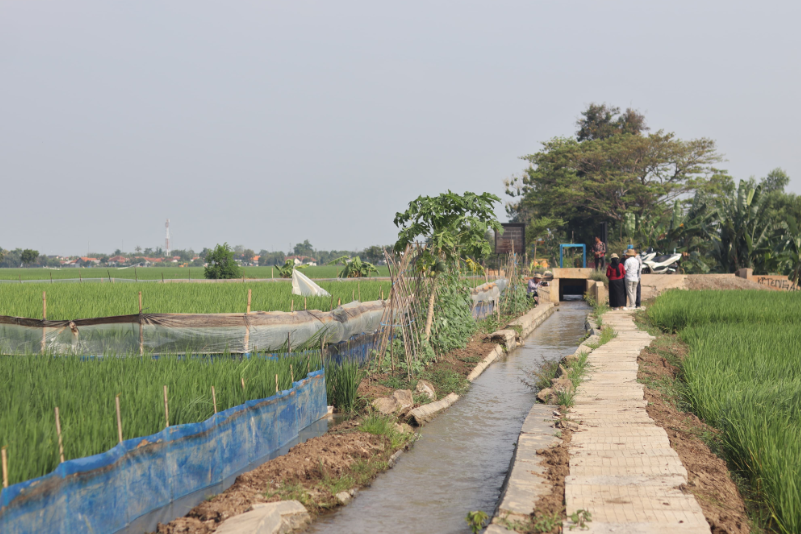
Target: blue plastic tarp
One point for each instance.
(112, 491)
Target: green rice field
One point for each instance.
(85, 391)
(156, 273)
(743, 376)
(81, 301)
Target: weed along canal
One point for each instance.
(462, 457)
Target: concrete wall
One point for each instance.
(777, 282)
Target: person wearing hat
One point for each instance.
(616, 272)
(534, 285)
(632, 266)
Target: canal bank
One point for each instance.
(461, 459)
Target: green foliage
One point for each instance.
(579, 519)
(78, 301)
(341, 384)
(354, 267)
(453, 319)
(29, 256)
(475, 520)
(221, 264)
(451, 225)
(84, 389)
(745, 229)
(285, 271)
(743, 376)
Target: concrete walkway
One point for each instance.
(622, 469)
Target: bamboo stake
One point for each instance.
(292, 306)
(166, 409)
(339, 302)
(51, 277)
(141, 328)
(291, 373)
(304, 303)
(276, 383)
(44, 318)
(242, 379)
(288, 343)
(382, 293)
(119, 418)
(353, 296)
(5, 466)
(214, 398)
(58, 431)
(249, 293)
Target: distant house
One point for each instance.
(117, 260)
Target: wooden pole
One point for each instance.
(166, 409)
(339, 302)
(304, 303)
(119, 418)
(109, 275)
(58, 431)
(292, 306)
(353, 296)
(276, 383)
(249, 294)
(288, 343)
(5, 466)
(382, 293)
(214, 398)
(136, 274)
(51, 277)
(242, 379)
(291, 373)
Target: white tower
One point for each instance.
(167, 240)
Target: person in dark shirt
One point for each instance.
(616, 273)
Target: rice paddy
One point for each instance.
(157, 273)
(81, 301)
(84, 389)
(743, 376)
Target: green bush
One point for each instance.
(221, 263)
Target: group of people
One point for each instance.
(624, 281)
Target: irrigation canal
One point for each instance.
(461, 460)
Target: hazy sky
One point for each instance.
(266, 123)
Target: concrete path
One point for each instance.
(622, 469)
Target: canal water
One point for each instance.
(461, 459)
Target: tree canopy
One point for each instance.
(221, 264)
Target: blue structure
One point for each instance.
(583, 248)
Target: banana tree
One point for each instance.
(452, 226)
(744, 229)
(354, 267)
(286, 270)
(789, 250)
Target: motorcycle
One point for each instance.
(654, 263)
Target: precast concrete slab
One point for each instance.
(622, 468)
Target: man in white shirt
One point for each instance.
(632, 266)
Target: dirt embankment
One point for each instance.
(708, 475)
(720, 281)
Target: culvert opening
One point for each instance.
(572, 288)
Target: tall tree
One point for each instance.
(304, 249)
(610, 170)
(221, 264)
(29, 256)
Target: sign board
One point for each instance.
(513, 239)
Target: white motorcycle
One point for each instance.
(659, 264)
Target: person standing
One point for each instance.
(632, 266)
(599, 249)
(616, 272)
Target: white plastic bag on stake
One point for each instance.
(303, 286)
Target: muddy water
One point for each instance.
(460, 462)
